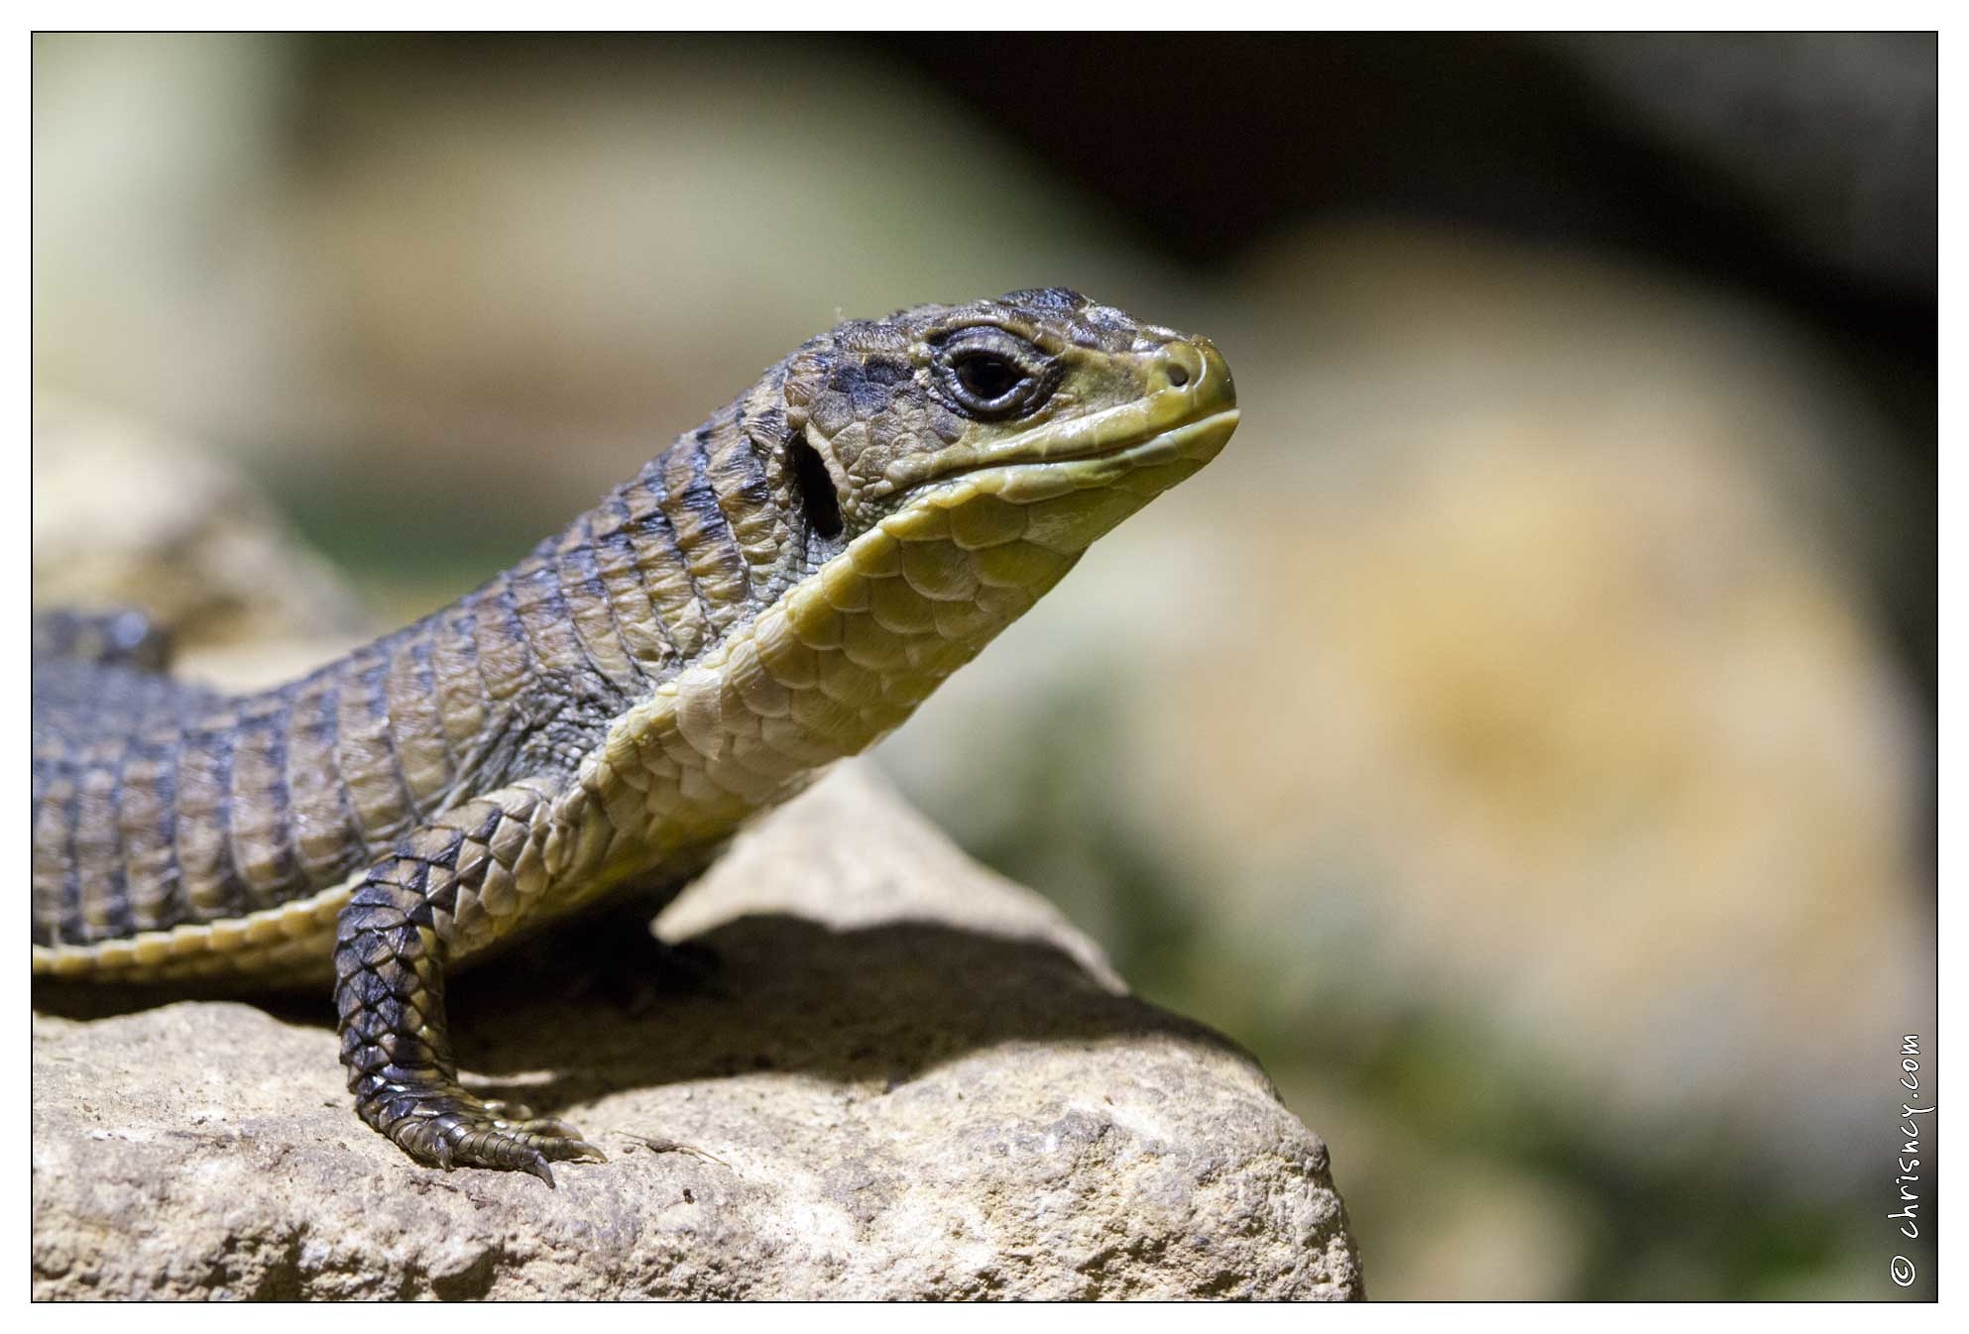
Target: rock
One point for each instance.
(909, 1078)
(128, 515)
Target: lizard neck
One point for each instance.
(843, 657)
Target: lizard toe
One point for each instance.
(447, 1128)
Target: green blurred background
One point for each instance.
(1521, 738)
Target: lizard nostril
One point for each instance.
(1182, 364)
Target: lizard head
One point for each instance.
(1033, 395)
(902, 490)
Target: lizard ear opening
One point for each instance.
(817, 495)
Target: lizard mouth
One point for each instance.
(1189, 418)
(1198, 440)
(1193, 442)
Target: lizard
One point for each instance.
(775, 590)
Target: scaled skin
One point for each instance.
(778, 589)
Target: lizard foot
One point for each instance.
(451, 1128)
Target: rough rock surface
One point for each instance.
(907, 1078)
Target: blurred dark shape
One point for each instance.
(1827, 142)
(1760, 156)
(1800, 163)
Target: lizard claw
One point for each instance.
(450, 1128)
(537, 1165)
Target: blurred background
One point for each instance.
(1521, 738)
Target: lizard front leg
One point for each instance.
(453, 884)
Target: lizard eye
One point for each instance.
(992, 374)
(987, 376)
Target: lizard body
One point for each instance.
(776, 590)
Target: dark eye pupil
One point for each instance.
(987, 376)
